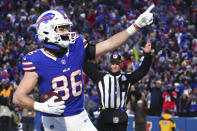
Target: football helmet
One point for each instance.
(46, 26)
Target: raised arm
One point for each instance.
(144, 68)
(120, 38)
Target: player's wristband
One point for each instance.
(132, 29)
(137, 27)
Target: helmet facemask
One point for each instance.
(65, 36)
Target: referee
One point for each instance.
(113, 87)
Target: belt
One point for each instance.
(104, 108)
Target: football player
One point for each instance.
(58, 67)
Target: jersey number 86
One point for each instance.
(76, 86)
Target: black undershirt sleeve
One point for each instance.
(92, 71)
(90, 52)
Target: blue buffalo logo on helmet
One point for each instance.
(45, 18)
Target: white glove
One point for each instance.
(145, 18)
(50, 106)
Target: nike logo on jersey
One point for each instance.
(50, 106)
(85, 120)
(67, 69)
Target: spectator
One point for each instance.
(156, 99)
(193, 102)
(194, 75)
(17, 125)
(135, 91)
(28, 116)
(5, 117)
(140, 110)
(6, 89)
(93, 95)
(28, 119)
(183, 106)
(5, 114)
(169, 99)
(183, 87)
(166, 123)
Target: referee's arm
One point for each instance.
(142, 70)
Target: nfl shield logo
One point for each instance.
(63, 62)
(115, 120)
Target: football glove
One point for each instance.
(50, 106)
(145, 18)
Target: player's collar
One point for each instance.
(48, 55)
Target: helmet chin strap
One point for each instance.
(57, 50)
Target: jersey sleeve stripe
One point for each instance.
(85, 44)
(84, 40)
(29, 68)
(27, 63)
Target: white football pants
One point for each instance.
(80, 122)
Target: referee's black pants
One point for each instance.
(112, 120)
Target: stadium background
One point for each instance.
(173, 36)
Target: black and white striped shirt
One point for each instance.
(113, 88)
(112, 93)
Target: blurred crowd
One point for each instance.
(171, 83)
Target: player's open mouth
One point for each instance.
(65, 37)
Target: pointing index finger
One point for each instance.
(150, 8)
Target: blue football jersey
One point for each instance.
(61, 75)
